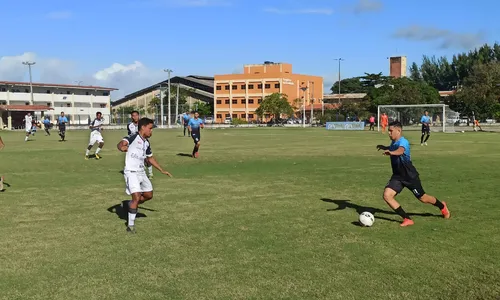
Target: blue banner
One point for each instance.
(345, 125)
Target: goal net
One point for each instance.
(443, 119)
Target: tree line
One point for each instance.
(473, 75)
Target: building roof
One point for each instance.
(25, 108)
(205, 84)
(83, 87)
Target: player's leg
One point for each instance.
(92, 141)
(427, 135)
(415, 186)
(185, 128)
(99, 148)
(28, 132)
(1, 183)
(393, 188)
(196, 140)
(422, 136)
(62, 134)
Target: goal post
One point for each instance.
(443, 119)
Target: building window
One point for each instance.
(234, 87)
(243, 86)
(243, 101)
(26, 91)
(103, 105)
(228, 115)
(68, 92)
(259, 101)
(259, 86)
(250, 86)
(235, 116)
(105, 94)
(267, 86)
(250, 101)
(277, 86)
(4, 89)
(243, 116)
(68, 104)
(48, 91)
(226, 101)
(219, 101)
(226, 87)
(219, 116)
(235, 101)
(49, 104)
(87, 93)
(26, 103)
(250, 116)
(219, 88)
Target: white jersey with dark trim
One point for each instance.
(132, 128)
(138, 149)
(96, 122)
(27, 121)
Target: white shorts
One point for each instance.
(95, 137)
(29, 129)
(137, 182)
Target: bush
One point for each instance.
(239, 122)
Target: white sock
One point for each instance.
(150, 170)
(131, 219)
(87, 152)
(25, 139)
(97, 151)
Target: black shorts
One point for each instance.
(185, 124)
(62, 129)
(196, 137)
(426, 129)
(414, 185)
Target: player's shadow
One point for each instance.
(184, 154)
(5, 184)
(121, 210)
(343, 204)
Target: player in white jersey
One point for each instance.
(137, 183)
(95, 136)
(133, 128)
(28, 119)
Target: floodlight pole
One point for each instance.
(169, 108)
(29, 64)
(304, 89)
(339, 59)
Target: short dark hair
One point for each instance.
(98, 113)
(144, 122)
(134, 112)
(396, 124)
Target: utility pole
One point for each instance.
(339, 59)
(169, 108)
(312, 103)
(304, 89)
(177, 104)
(29, 64)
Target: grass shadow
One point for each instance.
(344, 204)
(121, 211)
(184, 154)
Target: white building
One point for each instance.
(79, 103)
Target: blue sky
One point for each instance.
(127, 43)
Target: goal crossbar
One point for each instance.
(412, 105)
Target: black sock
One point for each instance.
(427, 137)
(422, 139)
(400, 211)
(439, 204)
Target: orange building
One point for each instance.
(238, 95)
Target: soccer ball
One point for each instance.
(366, 219)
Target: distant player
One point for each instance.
(384, 121)
(132, 128)
(95, 136)
(46, 125)
(426, 128)
(372, 122)
(477, 125)
(137, 183)
(34, 125)
(61, 123)
(194, 126)
(185, 120)
(28, 119)
(404, 175)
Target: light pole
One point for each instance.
(78, 82)
(29, 64)
(312, 104)
(177, 104)
(304, 89)
(338, 106)
(169, 108)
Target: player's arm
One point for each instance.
(2, 145)
(382, 147)
(155, 164)
(202, 125)
(396, 152)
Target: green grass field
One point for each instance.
(247, 221)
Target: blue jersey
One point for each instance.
(186, 118)
(402, 167)
(195, 124)
(46, 122)
(425, 119)
(62, 120)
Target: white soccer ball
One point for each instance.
(366, 219)
(463, 131)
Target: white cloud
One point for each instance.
(363, 6)
(306, 11)
(127, 78)
(59, 15)
(446, 38)
(182, 3)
